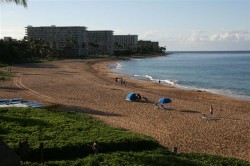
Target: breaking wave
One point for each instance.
(148, 77)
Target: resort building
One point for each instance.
(148, 43)
(100, 42)
(77, 41)
(72, 40)
(125, 41)
(8, 39)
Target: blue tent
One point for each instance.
(131, 96)
(164, 100)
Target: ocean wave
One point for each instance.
(224, 92)
(136, 59)
(230, 93)
(115, 66)
(169, 82)
(144, 76)
(118, 66)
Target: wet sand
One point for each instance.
(89, 86)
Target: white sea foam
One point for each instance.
(224, 92)
(228, 93)
(215, 91)
(144, 76)
(182, 71)
(136, 59)
(169, 82)
(118, 66)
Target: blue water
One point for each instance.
(226, 73)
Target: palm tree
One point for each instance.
(39, 48)
(18, 2)
(70, 46)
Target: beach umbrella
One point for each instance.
(164, 100)
(131, 96)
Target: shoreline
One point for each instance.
(224, 93)
(105, 64)
(89, 86)
(211, 96)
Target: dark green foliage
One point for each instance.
(23, 51)
(68, 137)
(205, 159)
(150, 49)
(157, 157)
(65, 134)
(4, 75)
(38, 48)
(11, 51)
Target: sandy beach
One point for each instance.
(89, 86)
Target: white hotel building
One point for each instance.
(125, 41)
(100, 42)
(88, 42)
(57, 37)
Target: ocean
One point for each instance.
(226, 73)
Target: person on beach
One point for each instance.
(159, 81)
(95, 147)
(24, 150)
(121, 80)
(124, 82)
(211, 110)
(138, 96)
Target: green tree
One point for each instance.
(94, 45)
(70, 45)
(13, 51)
(162, 49)
(38, 48)
(18, 2)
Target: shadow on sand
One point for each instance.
(228, 118)
(66, 73)
(190, 111)
(10, 88)
(37, 65)
(86, 110)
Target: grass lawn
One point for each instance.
(5, 75)
(68, 138)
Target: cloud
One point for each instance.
(180, 39)
(197, 36)
(231, 36)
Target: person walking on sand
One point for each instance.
(95, 147)
(211, 110)
(24, 150)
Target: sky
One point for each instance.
(180, 25)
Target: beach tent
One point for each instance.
(131, 96)
(164, 100)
